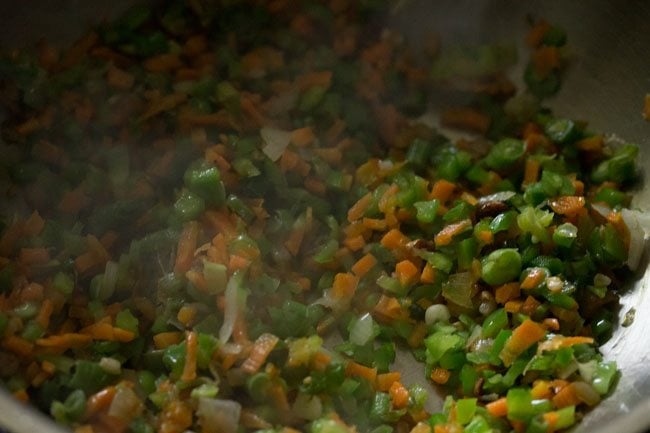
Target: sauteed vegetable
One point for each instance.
(230, 217)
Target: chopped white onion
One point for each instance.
(125, 405)
(436, 313)
(110, 365)
(230, 310)
(362, 330)
(637, 238)
(587, 370)
(554, 284)
(385, 164)
(498, 196)
(307, 407)
(276, 141)
(474, 336)
(601, 209)
(283, 103)
(586, 393)
(218, 416)
(568, 370)
(109, 280)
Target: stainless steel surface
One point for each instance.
(608, 77)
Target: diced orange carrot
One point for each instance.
(428, 275)
(357, 210)
(320, 361)
(579, 186)
(498, 408)
(119, 79)
(531, 171)
(289, 160)
(388, 308)
(186, 246)
(100, 331)
(64, 341)
(355, 243)
(529, 306)
(399, 395)
(32, 292)
(594, 143)
(186, 314)
(74, 200)
(332, 155)
(417, 335)
(261, 349)
(445, 236)
(10, 237)
(467, 118)
(440, 375)
(237, 262)
(567, 205)
(122, 335)
(33, 225)
(518, 426)
(43, 317)
(523, 336)
(567, 396)
(485, 236)
(34, 256)
(545, 59)
(385, 380)
(253, 111)
(302, 137)
(314, 79)
(100, 401)
(364, 265)
(551, 419)
(536, 34)
(394, 239)
(374, 224)
(442, 190)
(533, 279)
(18, 345)
(162, 63)
(551, 324)
(406, 272)
(21, 395)
(355, 229)
(507, 292)
(344, 286)
(165, 339)
(191, 349)
(294, 241)
(358, 370)
(388, 199)
(541, 390)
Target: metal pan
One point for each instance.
(609, 75)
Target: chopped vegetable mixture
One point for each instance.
(230, 217)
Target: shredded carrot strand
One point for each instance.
(191, 348)
(263, 346)
(359, 208)
(445, 236)
(186, 246)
